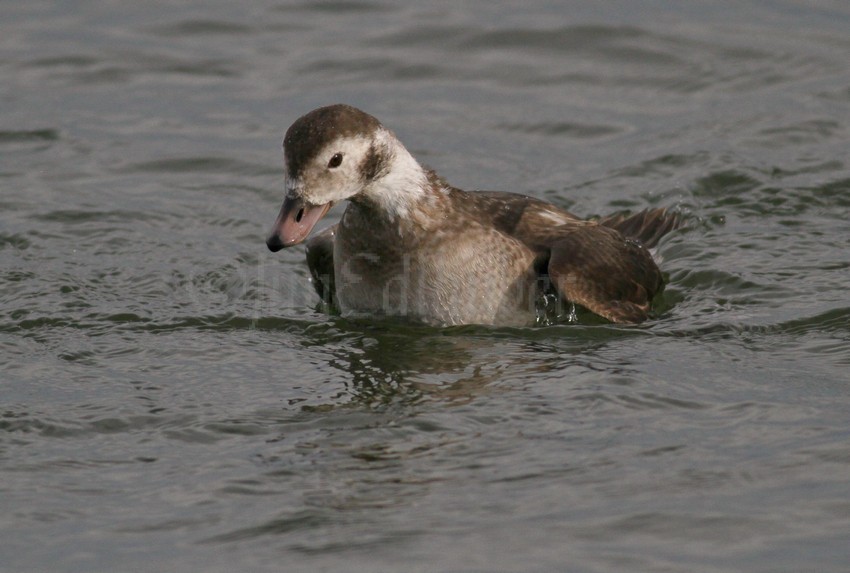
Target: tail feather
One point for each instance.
(647, 226)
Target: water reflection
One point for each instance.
(387, 362)
(396, 363)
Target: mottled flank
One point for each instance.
(411, 245)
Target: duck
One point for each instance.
(409, 245)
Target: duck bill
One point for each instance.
(295, 221)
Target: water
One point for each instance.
(174, 400)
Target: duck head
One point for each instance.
(332, 154)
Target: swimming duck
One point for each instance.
(411, 245)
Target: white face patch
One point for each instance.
(328, 178)
(325, 181)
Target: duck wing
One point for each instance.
(597, 267)
(604, 265)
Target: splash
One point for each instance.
(550, 310)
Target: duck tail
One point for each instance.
(647, 226)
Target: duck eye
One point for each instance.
(335, 161)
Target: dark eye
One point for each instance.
(335, 161)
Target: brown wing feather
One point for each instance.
(602, 265)
(596, 267)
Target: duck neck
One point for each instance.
(401, 187)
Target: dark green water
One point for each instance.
(171, 398)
